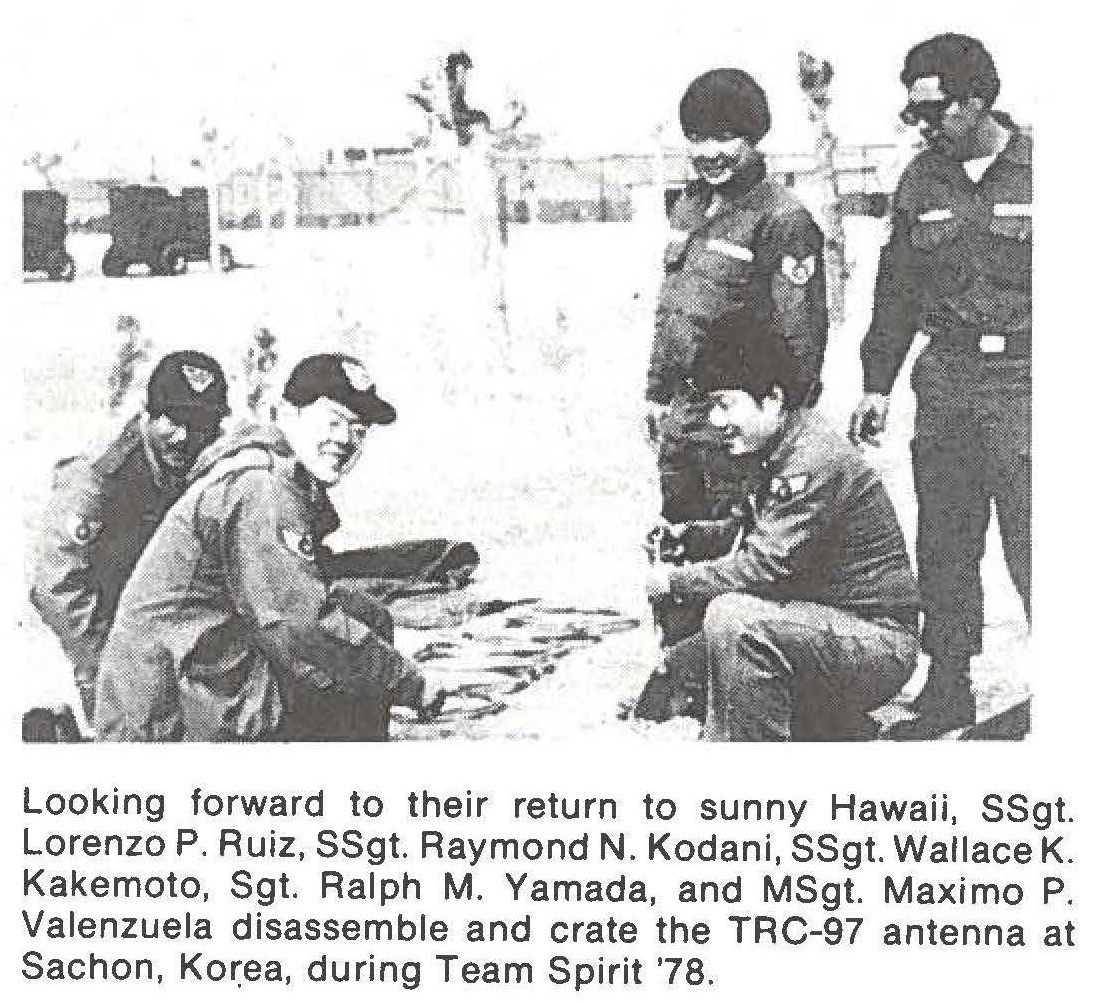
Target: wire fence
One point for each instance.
(520, 188)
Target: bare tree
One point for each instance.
(815, 77)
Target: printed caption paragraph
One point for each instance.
(432, 887)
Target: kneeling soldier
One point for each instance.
(104, 510)
(229, 628)
(810, 619)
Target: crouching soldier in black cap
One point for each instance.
(105, 509)
(810, 618)
(737, 240)
(229, 628)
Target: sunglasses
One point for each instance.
(928, 112)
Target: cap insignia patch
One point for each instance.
(799, 271)
(199, 379)
(357, 376)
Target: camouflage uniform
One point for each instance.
(229, 628)
(748, 244)
(101, 515)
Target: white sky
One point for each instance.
(125, 80)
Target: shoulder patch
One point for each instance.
(81, 530)
(300, 544)
(799, 271)
(784, 488)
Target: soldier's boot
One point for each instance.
(945, 704)
(945, 673)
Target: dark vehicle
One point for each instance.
(44, 232)
(163, 231)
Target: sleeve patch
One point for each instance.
(300, 544)
(82, 530)
(799, 271)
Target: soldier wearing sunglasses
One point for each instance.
(958, 268)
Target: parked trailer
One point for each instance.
(44, 231)
(166, 232)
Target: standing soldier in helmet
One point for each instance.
(958, 268)
(737, 240)
(104, 510)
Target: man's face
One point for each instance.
(946, 124)
(327, 438)
(717, 158)
(745, 425)
(177, 437)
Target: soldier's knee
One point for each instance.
(730, 615)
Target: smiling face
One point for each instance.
(717, 159)
(744, 424)
(327, 438)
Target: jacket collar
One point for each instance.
(779, 450)
(163, 478)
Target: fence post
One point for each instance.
(603, 189)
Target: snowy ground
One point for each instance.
(518, 429)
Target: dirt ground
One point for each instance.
(519, 393)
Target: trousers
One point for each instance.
(781, 670)
(971, 447)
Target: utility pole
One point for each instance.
(815, 79)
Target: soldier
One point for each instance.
(104, 510)
(811, 618)
(737, 240)
(229, 628)
(958, 268)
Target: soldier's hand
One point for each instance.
(433, 695)
(869, 419)
(654, 419)
(658, 583)
(664, 543)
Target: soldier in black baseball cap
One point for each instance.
(106, 506)
(340, 378)
(187, 400)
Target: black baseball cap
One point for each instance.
(340, 378)
(189, 384)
